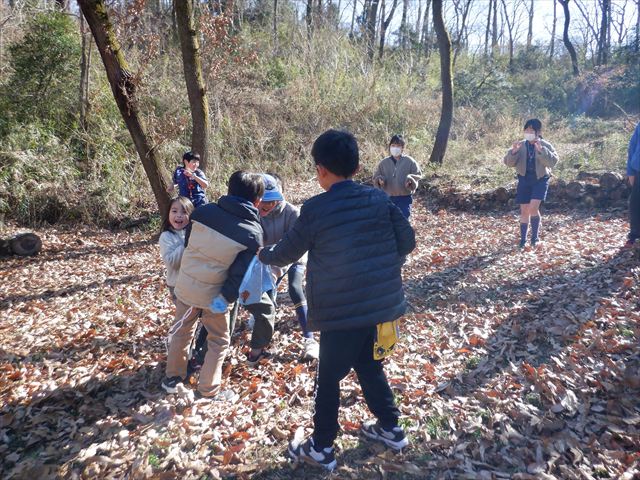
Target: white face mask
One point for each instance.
(530, 137)
(395, 151)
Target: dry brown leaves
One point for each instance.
(512, 365)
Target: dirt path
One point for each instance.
(512, 365)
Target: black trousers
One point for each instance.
(634, 210)
(340, 351)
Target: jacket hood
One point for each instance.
(239, 207)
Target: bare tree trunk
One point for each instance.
(637, 48)
(418, 34)
(494, 32)
(620, 26)
(370, 28)
(196, 88)
(309, 18)
(609, 20)
(353, 18)
(530, 28)
(510, 30)
(275, 25)
(602, 37)
(487, 30)
(384, 25)
(85, 65)
(565, 37)
(553, 31)
(403, 25)
(426, 34)
(463, 25)
(446, 113)
(123, 87)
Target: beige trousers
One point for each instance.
(179, 341)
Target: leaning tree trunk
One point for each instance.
(446, 113)
(565, 38)
(193, 77)
(123, 87)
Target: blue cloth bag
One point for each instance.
(257, 280)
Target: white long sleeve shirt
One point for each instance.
(171, 250)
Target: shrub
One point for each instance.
(42, 87)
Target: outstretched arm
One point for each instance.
(291, 247)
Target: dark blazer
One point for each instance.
(357, 240)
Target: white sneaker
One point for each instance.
(311, 349)
(251, 322)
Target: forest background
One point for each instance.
(512, 364)
(277, 73)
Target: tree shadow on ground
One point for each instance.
(549, 312)
(71, 252)
(7, 302)
(74, 417)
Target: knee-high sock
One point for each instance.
(535, 228)
(301, 313)
(523, 233)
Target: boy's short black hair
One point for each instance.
(190, 156)
(249, 186)
(337, 151)
(397, 139)
(533, 123)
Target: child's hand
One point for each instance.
(171, 188)
(515, 147)
(538, 146)
(219, 305)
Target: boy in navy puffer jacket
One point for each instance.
(356, 239)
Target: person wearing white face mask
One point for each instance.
(398, 175)
(533, 159)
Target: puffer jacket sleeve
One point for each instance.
(405, 235)
(291, 247)
(238, 268)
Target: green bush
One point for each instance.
(42, 87)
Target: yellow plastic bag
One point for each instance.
(387, 335)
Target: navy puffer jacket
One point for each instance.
(356, 240)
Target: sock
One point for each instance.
(535, 227)
(523, 233)
(301, 313)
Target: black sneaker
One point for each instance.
(307, 452)
(169, 384)
(395, 438)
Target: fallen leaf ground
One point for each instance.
(513, 364)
